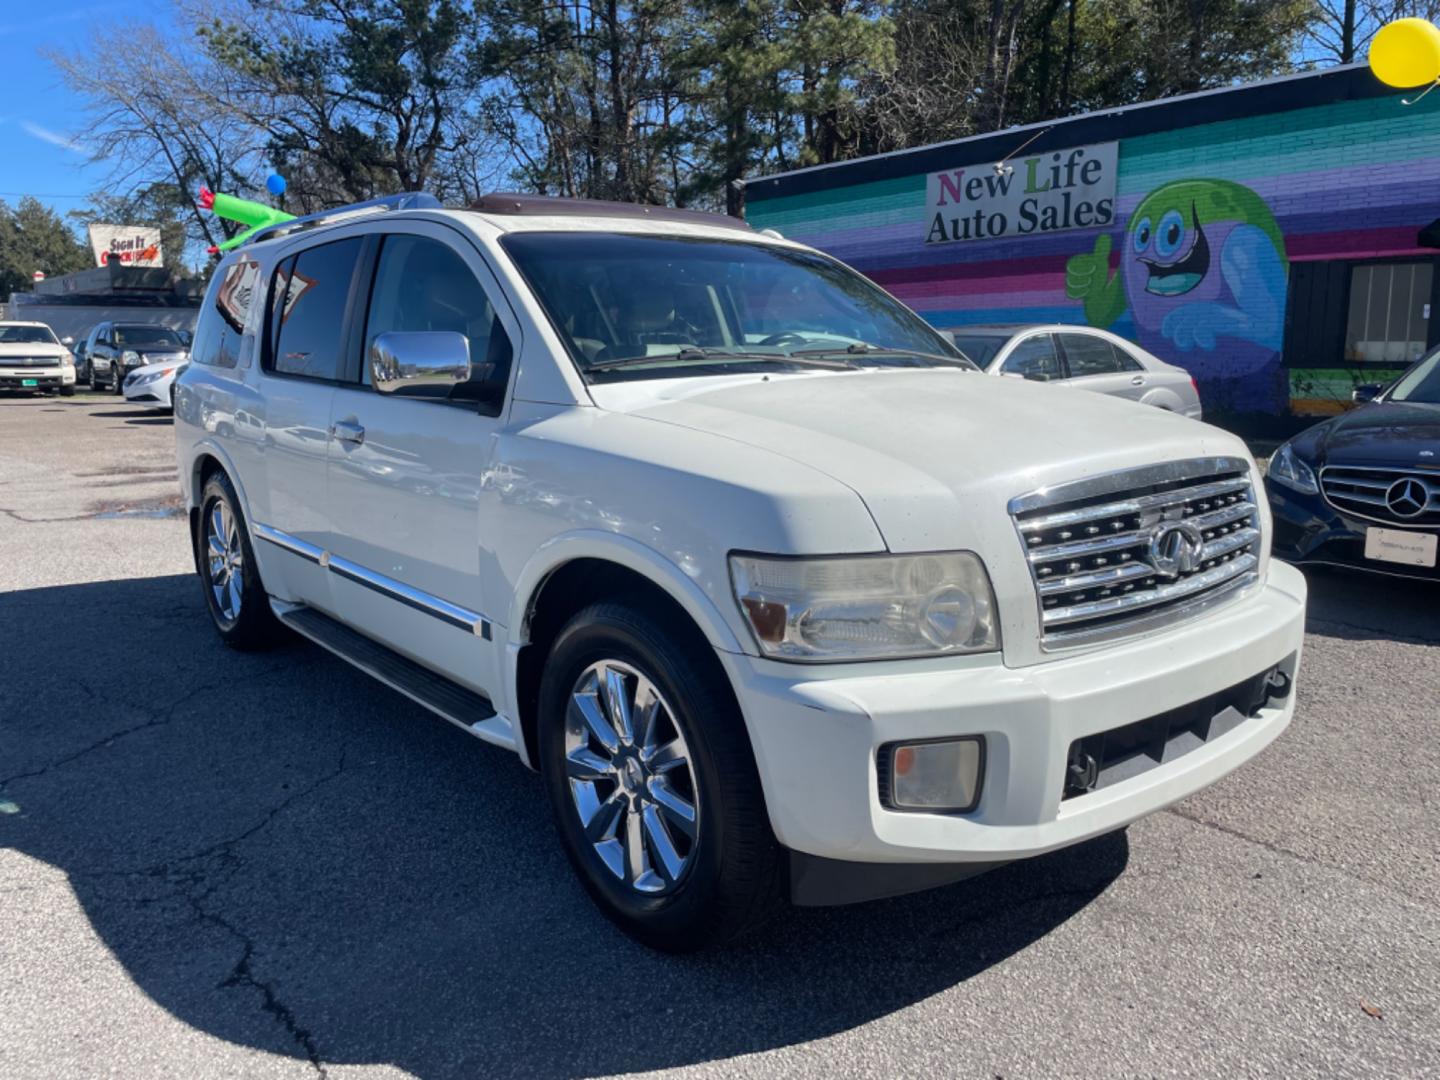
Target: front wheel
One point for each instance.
(117, 378)
(652, 781)
(234, 594)
(67, 391)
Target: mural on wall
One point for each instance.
(1202, 271)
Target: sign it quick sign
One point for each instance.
(130, 245)
(1049, 192)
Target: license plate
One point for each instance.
(1398, 546)
(29, 382)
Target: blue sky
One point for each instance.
(37, 114)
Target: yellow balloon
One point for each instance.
(1406, 53)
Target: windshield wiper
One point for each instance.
(861, 348)
(696, 353)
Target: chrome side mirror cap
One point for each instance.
(420, 363)
(67, 341)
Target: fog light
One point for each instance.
(940, 774)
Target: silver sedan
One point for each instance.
(1082, 357)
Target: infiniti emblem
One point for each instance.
(1176, 548)
(1407, 497)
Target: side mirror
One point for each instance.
(1366, 392)
(419, 363)
(67, 341)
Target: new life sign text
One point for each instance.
(1055, 190)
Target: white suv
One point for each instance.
(778, 594)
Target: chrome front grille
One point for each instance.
(1396, 496)
(30, 361)
(1117, 554)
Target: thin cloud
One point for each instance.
(54, 138)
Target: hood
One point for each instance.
(935, 455)
(160, 365)
(9, 349)
(158, 354)
(1382, 433)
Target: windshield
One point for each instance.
(652, 305)
(147, 335)
(980, 347)
(27, 335)
(1421, 384)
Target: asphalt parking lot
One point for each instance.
(216, 864)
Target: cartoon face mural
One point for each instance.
(1203, 275)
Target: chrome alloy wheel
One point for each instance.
(630, 777)
(227, 560)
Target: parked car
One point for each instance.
(1363, 489)
(154, 384)
(1082, 357)
(779, 595)
(117, 348)
(79, 350)
(32, 358)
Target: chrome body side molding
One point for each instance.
(461, 618)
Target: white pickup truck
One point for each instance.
(780, 596)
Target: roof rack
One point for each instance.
(407, 200)
(513, 203)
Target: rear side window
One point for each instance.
(1034, 358)
(311, 292)
(1089, 355)
(222, 319)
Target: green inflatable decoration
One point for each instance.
(256, 215)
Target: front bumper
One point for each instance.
(1310, 530)
(27, 378)
(816, 733)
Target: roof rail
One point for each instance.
(406, 200)
(506, 202)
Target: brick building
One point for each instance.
(1277, 239)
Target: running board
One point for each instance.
(463, 708)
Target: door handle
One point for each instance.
(1138, 380)
(347, 431)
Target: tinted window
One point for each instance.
(222, 320)
(1088, 355)
(146, 335)
(27, 335)
(311, 317)
(980, 347)
(1034, 358)
(422, 284)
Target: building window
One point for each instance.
(1389, 312)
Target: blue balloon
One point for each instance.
(275, 184)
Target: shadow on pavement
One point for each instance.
(1357, 606)
(138, 415)
(289, 856)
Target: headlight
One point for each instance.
(68, 360)
(129, 356)
(1287, 469)
(154, 376)
(867, 607)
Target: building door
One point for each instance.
(1355, 321)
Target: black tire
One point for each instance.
(733, 873)
(117, 379)
(253, 625)
(94, 385)
(67, 391)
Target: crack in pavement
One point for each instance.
(159, 717)
(196, 886)
(1276, 849)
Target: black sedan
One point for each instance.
(1363, 489)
